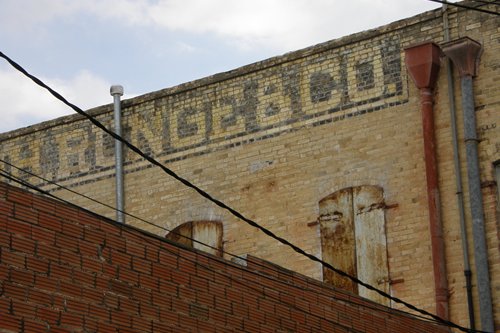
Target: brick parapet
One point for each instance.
(64, 269)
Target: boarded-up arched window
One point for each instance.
(201, 235)
(353, 239)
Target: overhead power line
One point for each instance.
(224, 206)
(477, 9)
(486, 2)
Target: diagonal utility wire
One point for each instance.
(477, 9)
(222, 204)
(488, 2)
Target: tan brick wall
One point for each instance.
(273, 138)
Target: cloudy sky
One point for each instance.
(81, 47)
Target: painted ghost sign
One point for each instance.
(311, 90)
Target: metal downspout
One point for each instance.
(464, 53)
(458, 175)
(423, 63)
(116, 92)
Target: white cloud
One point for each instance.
(184, 48)
(126, 11)
(23, 102)
(254, 23)
(85, 89)
(280, 24)
(29, 15)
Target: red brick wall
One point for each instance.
(66, 270)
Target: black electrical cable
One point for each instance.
(477, 9)
(257, 273)
(486, 2)
(222, 204)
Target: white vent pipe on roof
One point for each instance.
(117, 91)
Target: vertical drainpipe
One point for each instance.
(458, 173)
(422, 62)
(116, 92)
(465, 53)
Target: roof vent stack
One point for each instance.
(116, 91)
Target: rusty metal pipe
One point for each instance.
(422, 62)
(433, 201)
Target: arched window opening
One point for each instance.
(201, 235)
(353, 239)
